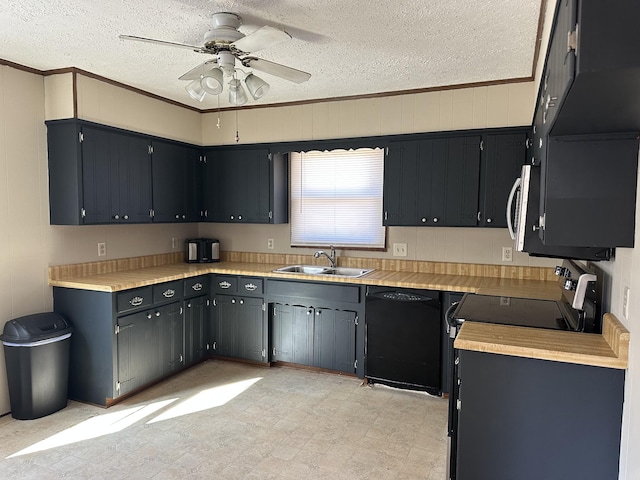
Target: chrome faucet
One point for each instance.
(331, 258)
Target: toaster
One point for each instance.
(202, 250)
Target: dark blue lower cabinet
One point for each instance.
(318, 337)
(537, 419)
(238, 328)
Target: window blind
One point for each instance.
(336, 198)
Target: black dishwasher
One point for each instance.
(403, 338)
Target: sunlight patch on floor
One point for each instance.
(97, 426)
(206, 399)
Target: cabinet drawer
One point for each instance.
(132, 299)
(249, 286)
(225, 284)
(196, 286)
(167, 291)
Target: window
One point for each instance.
(336, 198)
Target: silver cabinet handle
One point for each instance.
(189, 305)
(424, 220)
(233, 300)
(241, 302)
(231, 217)
(184, 216)
(250, 287)
(177, 216)
(116, 217)
(197, 286)
(157, 313)
(436, 219)
(239, 217)
(126, 217)
(489, 220)
(136, 301)
(149, 316)
(224, 284)
(169, 293)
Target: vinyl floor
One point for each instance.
(224, 420)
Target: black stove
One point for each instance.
(576, 311)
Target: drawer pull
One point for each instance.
(250, 287)
(197, 287)
(169, 293)
(136, 301)
(224, 284)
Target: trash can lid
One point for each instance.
(39, 326)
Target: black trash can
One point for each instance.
(36, 349)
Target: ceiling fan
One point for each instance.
(227, 45)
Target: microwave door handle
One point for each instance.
(512, 195)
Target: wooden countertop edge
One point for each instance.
(617, 337)
(610, 349)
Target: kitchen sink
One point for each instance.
(316, 270)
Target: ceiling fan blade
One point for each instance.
(263, 38)
(288, 73)
(160, 42)
(195, 72)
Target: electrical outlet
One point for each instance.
(625, 302)
(270, 244)
(102, 249)
(174, 242)
(399, 249)
(507, 254)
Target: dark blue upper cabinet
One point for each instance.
(97, 175)
(175, 173)
(593, 68)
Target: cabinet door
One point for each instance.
(335, 340)
(302, 321)
(560, 66)
(175, 192)
(131, 198)
(400, 184)
(282, 333)
(98, 153)
(238, 185)
(256, 205)
(195, 313)
(449, 170)
(251, 329)
(171, 337)
(225, 325)
(133, 346)
(504, 155)
(506, 405)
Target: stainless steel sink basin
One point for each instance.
(308, 269)
(333, 271)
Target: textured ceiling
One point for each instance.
(350, 47)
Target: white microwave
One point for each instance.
(523, 220)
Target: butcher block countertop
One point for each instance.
(114, 281)
(607, 350)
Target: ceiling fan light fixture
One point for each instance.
(257, 87)
(237, 95)
(211, 81)
(195, 90)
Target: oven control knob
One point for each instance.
(562, 272)
(570, 284)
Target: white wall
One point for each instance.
(624, 271)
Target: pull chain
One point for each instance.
(237, 134)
